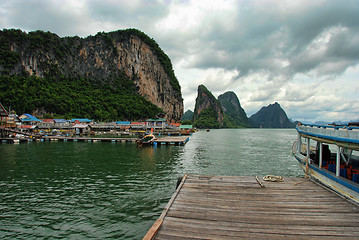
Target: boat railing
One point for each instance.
(336, 127)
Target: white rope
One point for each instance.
(273, 178)
(306, 161)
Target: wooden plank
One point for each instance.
(188, 234)
(267, 207)
(154, 229)
(171, 139)
(254, 197)
(229, 207)
(156, 226)
(249, 214)
(230, 226)
(236, 230)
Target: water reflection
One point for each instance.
(77, 190)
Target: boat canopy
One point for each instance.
(346, 137)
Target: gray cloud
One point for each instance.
(131, 13)
(265, 51)
(266, 40)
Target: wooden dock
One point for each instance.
(223, 207)
(181, 140)
(170, 140)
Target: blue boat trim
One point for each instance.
(329, 137)
(332, 177)
(329, 126)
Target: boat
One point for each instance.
(147, 140)
(329, 154)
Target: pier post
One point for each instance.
(320, 155)
(337, 171)
(308, 148)
(299, 146)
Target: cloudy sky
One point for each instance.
(303, 54)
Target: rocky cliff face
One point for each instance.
(272, 116)
(234, 114)
(208, 111)
(100, 58)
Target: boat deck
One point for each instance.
(231, 207)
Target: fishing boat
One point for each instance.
(329, 154)
(147, 140)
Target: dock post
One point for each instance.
(320, 155)
(299, 146)
(308, 148)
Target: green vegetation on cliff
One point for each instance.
(234, 115)
(75, 98)
(208, 111)
(207, 119)
(271, 116)
(66, 87)
(187, 118)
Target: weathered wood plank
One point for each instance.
(229, 207)
(261, 198)
(231, 226)
(263, 210)
(260, 218)
(267, 207)
(187, 234)
(218, 229)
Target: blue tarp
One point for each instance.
(30, 118)
(81, 120)
(123, 122)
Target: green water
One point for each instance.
(81, 190)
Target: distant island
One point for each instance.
(226, 112)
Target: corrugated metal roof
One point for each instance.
(156, 120)
(186, 126)
(47, 120)
(81, 125)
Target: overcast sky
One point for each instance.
(303, 54)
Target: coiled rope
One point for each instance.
(272, 178)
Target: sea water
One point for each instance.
(84, 190)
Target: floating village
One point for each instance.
(27, 128)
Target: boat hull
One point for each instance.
(147, 140)
(342, 186)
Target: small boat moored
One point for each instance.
(147, 140)
(330, 155)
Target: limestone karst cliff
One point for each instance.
(102, 59)
(234, 114)
(208, 111)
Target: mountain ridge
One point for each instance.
(234, 114)
(271, 116)
(226, 112)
